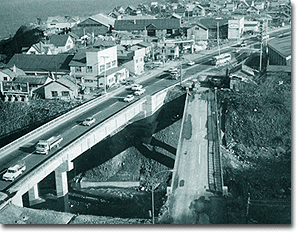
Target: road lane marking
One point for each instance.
(74, 126)
(28, 155)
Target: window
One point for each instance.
(54, 93)
(89, 69)
(113, 63)
(4, 78)
(169, 31)
(78, 69)
(65, 93)
(141, 59)
(196, 28)
(137, 60)
(172, 51)
(102, 68)
(108, 65)
(88, 81)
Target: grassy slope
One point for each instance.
(258, 138)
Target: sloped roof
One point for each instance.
(144, 44)
(79, 59)
(100, 18)
(31, 79)
(282, 45)
(65, 80)
(59, 40)
(210, 23)
(141, 24)
(104, 43)
(10, 72)
(33, 62)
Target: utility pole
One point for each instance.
(218, 37)
(261, 29)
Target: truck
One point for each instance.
(44, 146)
(14, 171)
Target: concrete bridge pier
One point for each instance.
(17, 200)
(61, 179)
(33, 195)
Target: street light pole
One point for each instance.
(152, 193)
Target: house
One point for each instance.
(56, 44)
(130, 10)
(212, 25)
(148, 48)
(61, 22)
(63, 88)
(180, 11)
(198, 32)
(115, 14)
(153, 27)
(230, 6)
(119, 9)
(250, 26)
(279, 51)
(243, 6)
(62, 43)
(42, 48)
(235, 28)
(97, 24)
(167, 51)
(260, 5)
(14, 91)
(33, 64)
(89, 63)
(132, 59)
(113, 76)
(33, 81)
(193, 10)
(252, 10)
(8, 74)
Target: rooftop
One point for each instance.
(41, 63)
(141, 24)
(31, 79)
(59, 40)
(282, 45)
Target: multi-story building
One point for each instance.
(235, 28)
(89, 65)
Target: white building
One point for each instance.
(235, 28)
(88, 64)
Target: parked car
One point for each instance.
(139, 92)
(173, 69)
(128, 98)
(88, 121)
(136, 87)
(191, 63)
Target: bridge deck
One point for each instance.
(197, 170)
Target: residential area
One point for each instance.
(165, 112)
(79, 56)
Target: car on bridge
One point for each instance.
(128, 98)
(88, 121)
(136, 87)
(191, 63)
(139, 92)
(14, 171)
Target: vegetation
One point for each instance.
(257, 161)
(26, 36)
(19, 117)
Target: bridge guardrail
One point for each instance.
(61, 119)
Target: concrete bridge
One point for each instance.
(61, 161)
(197, 181)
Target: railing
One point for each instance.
(59, 120)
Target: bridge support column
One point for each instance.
(33, 195)
(17, 200)
(61, 179)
